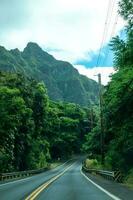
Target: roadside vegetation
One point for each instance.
(33, 129)
(117, 106)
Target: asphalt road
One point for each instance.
(20, 189)
(73, 186)
(63, 183)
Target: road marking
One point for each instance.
(99, 187)
(36, 192)
(27, 178)
(22, 180)
(61, 165)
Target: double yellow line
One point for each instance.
(36, 192)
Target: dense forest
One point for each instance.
(33, 129)
(117, 104)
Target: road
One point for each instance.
(65, 182)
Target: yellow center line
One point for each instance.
(36, 192)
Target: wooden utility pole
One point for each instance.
(101, 118)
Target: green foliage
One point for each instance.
(38, 155)
(33, 129)
(126, 9)
(92, 164)
(62, 80)
(12, 107)
(65, 130)
(129, 179)
(40, 108)
(18, 121)
(118, 104)
(119, 99)
(123, 51)
(92, 142)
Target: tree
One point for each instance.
(119, 98)
(23, 108)
(12, 111)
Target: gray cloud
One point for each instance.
(69, 28)
(14, 14)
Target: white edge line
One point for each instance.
(99, 187)
(24, 179)
(21, 180)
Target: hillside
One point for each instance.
(63, 81)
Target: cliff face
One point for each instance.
(61, 79)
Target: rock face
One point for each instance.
(63, 81)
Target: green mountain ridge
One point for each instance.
(63, 81)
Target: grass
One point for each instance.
(55, 164)
(129, 179)
(93, 164)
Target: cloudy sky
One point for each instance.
(70, 30)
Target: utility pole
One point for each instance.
(101, 118)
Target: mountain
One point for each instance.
(63, 81)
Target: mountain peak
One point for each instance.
(32, 46)
(33, 49)
(15, 51)
(62, 80)
(2, 48)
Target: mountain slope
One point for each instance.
(62, 80)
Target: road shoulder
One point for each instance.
(114, 188)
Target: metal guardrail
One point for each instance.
(12, 175)
(111, 175)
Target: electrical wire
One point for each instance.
(111, 36)
(109, 11)
(111, 5)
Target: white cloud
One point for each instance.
(92, 72)
(70, 56)
(74, 26)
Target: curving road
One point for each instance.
(20, 189)
(65, 182)
(73, 186)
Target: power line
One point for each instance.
(109, 23)
(110, 17)
(111, 6)
(109, 11)
(112, 34)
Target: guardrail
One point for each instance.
(111, 175)
(12, 175)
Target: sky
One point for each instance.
(70, 30)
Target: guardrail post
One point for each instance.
(117, 176)
(110, 175)
(4, 176)
(0, 176)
